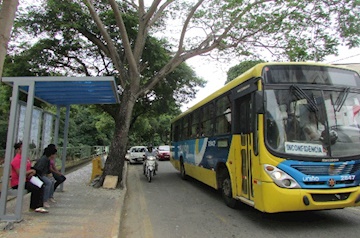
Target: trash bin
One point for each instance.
(96, 168)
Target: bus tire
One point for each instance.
(226, 191)
(182, 170)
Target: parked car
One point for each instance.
(136, 154)
(163, 152)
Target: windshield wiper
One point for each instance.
(341, 99)
(300, 94)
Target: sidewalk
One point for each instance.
(80, 211)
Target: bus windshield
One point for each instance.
(327, 125)
(313, 121)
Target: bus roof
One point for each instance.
(255, 71)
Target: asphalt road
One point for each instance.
(170, 207)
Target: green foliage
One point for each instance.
(104, 125)
(285, 30)
(241, 68)
(163, 129)
(87, 125)
(83, 127)
(151, 129)
(5, 93)
(18, 65)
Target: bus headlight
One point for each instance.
(280, 178)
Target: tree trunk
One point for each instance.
(116, 158)
(7, 15)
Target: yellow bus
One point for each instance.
(280, 137)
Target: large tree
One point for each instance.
(122, 31)
(7, 15)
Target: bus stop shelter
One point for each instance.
(58, 91)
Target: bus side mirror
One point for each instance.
(259, 102)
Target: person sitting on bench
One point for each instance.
(37, 194)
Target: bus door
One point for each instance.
(242, 106)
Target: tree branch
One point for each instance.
(112, 49)
(133, 4)
(125, 40)
(142, 30)
(186, 24)
(159, 13)
(205, 46)
(91, 37)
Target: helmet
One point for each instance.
(150, 147)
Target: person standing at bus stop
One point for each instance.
(37, 193)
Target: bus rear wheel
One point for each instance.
(226, 191)
(182, 170)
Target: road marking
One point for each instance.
(146, 219)
(221, 218)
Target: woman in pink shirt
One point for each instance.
(37, 194)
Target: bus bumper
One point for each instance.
(276, 199)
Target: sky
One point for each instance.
(215, 72)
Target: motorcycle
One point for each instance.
(149, 169)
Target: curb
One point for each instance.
(117, 220)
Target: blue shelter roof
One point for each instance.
(70, 90)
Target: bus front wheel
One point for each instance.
(182, 170)
(226, 191)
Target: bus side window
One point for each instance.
(199, 131)
(195, 118)
(207, 120)
(222, 124)
(185, 130)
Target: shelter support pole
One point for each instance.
(66, 133)
(57, 126)
(56, 137)
(25, 150)
(9, 150)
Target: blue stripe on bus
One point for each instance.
(203, 152)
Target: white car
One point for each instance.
(136, 154)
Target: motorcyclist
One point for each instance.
(150, 152)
